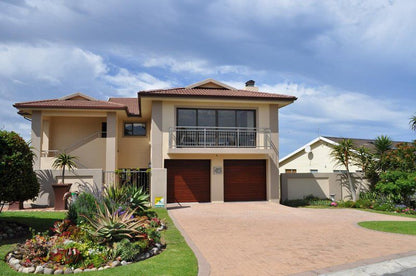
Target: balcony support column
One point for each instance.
(36, 138)
(273, 189)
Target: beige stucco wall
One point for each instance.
(133, 151)
(319, 159)
(321, 185)
(75, 135)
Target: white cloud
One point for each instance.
(127, 84)
(194, 66)
(49, 63)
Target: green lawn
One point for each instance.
(401, 227)
(176, 259)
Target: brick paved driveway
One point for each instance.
(260, 238)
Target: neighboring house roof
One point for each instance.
(368, 143)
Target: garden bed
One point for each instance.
(102, 231)
(176, 259)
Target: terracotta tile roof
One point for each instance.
(220, 93)
(72, 104)
(131, 103)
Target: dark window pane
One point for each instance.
(139, 129)
(226, 118)
(186, 117)
(245, 118)
(128, 129)
(206, 117)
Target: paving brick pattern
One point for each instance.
(260, 238)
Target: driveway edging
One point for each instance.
(204, 269)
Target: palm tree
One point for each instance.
(64, 160)
(383, 144)
(413, 122)
(343, 155)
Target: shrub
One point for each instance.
(18, 181)
(397, 184)
(309, 200)
(127, 250)
(84, 206)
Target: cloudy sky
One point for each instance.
(352, 64)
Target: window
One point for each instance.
(313, 170)
(134, 129)
(290, 171)
(103, 130)
(189, 117)
(340, 171)
(215, 127)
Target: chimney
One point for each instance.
(250, 86)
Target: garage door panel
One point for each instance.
(244, 180)
(188, 180)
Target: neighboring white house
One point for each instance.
(315, 156)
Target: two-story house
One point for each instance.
(207, 142)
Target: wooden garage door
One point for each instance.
(244, 180)
(188, 180)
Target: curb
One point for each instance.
(204, 269)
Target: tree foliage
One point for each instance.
(400, 184)
(412, 122)
(342, 154)
(18, 181)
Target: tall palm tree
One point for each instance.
(342, 154)
(413, 122)
(383, 144)
(64, 160)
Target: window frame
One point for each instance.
(132, 126)
(216, 116)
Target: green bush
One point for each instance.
(84, 205)
(309, 200)
(129, 250)
(18, 181)
(398, 184)
(346, 204)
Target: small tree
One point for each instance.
(18, 181)
(64, 160)
(343, 155)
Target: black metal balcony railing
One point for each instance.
(218, 137)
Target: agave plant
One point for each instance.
(138, 198)
(109, 227)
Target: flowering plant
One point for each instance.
(334, 204)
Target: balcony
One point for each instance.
(219, 140)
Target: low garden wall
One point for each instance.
(321, 185)
(81, 179)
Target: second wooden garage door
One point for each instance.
(244, 180)
(188, 180)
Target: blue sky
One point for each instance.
(352, 64)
